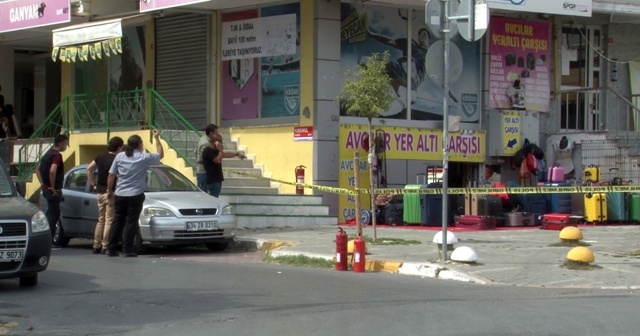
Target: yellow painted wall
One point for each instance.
(307, 52)
(274, 148)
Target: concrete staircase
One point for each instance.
(257, 202)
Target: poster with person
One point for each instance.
(519, 67)
(416, 81)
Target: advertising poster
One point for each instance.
(370, 29)
(573, 7)
(280, 69)
(511, 132)
(154, 5)
(25, 14)
(350, 142)
(128, 68)
(519, 50)
(239, 75)
(401, 143)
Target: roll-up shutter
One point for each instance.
(181, 64)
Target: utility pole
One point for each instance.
(472, 19)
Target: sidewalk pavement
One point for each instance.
(506, 256)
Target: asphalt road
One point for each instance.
(198, 293)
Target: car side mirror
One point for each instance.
(21, 188)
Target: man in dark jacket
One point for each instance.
(50, 173)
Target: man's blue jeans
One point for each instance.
(214, 189)
(201, 177)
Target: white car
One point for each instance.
(175, 212)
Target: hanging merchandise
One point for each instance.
(531, 163)
(98, 47)
(112, 46)
(564, 154)
(74, 54)
(118, 42)
(86, 40)
(92, 52)
(105, 48)
(85, 52)
(54, 53)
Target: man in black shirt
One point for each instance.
(50, 172)
(212, 161)
(106, 209)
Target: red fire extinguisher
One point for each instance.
(358, 255)
(300, 179)
(341, 250)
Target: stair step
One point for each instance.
(252, 171)
(190, 147)
(272, 221)
(271, 199)
(249, 190)
(237, 163)
(246, 182)
(282, 209)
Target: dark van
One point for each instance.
(25, 237)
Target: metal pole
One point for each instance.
(445, 29)
(409, 65)
(356, 180)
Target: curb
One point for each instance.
(389, 266)
(429, 270)
(248, 244)
(432, 270)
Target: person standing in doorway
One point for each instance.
(212, 160)
(130, 168)
(106, 209)
(4, 119)
(50, 173)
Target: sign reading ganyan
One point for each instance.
(560, 7)
(25, 14)
(152, 5)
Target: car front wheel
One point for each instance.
(58, 237)
(29, 281)
(217, 247)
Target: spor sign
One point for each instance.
(559, 7)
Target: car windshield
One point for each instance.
(160, 179)
(5, 182)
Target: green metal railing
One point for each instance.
(110, 111)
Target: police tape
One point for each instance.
(455, 191)
(333, 190)
(515, 190)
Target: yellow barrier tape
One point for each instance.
(310, 186)
(456, 191)
(518, 190)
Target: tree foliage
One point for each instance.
(367, 93)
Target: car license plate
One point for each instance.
(202, 226)
(10, 255)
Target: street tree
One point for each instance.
(367, 94)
